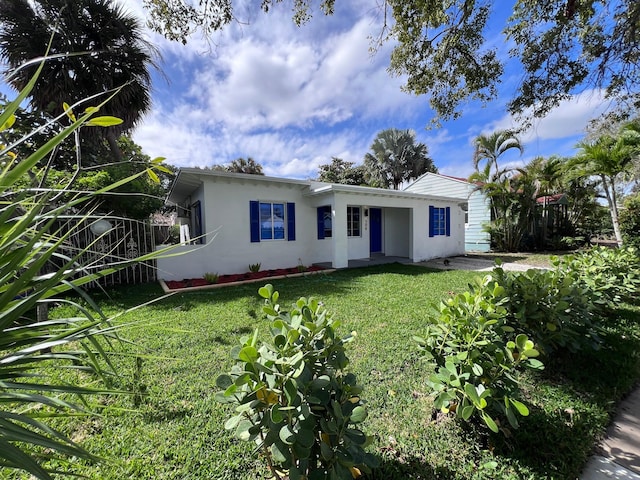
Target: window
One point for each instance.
(272, 221)
(439, 221)
(353, 221)
(325, 222)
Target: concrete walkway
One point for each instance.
(473, 263)
(617, 457)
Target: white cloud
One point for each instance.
(280, 82)
(286, 97)
(569, 119)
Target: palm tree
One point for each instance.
(512, 194)
(240, 165)
(488, 148)
(610, 159)
(546, 177)
(396, 157)
(95, 47)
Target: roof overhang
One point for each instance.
(334, 188)
(188, 180)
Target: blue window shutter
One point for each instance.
(254, 220)
(447, 221)
(291, 221)
(320, 223)
(431, 220)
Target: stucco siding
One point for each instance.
(397, 241)
(476, 239)
(226, 220)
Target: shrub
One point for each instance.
(211, 277)
(33, 350)
(475, 363)
(610, 274)
(293, 397)
(254, 267)
(630, 221)
(301, 267)
(553, 307)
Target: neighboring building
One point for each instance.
(245, 219)
(552, 219)
(478, 206)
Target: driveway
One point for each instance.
(473, 262)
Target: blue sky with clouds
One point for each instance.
(293, 97)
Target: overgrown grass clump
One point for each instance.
(170, 426)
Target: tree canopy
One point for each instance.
(94, 46)
(240, 165)
(395, 157)
(446, 51)
(488, 148)
(610, 159)
(339, 171)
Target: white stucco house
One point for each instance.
(478, 206)
(245, 219)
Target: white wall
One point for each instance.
(225, 209)
(229, 249)
(426, 247)
(479, 212)
(396, 231)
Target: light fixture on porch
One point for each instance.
(366, 212)
(100, 227)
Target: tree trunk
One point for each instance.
(610, 193)
(113, 146)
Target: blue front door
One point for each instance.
(375, 230)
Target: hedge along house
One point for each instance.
(478, 207)
(245, 219)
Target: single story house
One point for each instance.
(238, 219)
(478, 206)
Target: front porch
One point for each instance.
(370, 261)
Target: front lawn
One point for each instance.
(171, 427)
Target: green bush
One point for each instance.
(211, 277)
(254, 267)
(553, 307)
(611, 275)
(293, 397)
(33, 349)
(630, 221)
(475, 362)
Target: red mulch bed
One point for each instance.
(238, 277)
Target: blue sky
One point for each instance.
(292, 98)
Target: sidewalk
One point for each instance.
(618, 455)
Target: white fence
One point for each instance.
(111, 241)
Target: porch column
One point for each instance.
(340, 239)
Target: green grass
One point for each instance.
(173, 428)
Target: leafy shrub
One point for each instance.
(293, 397)
(475, 363)
(551, 306)
(32, 349)
(301, 267)
(630, 221)
(211, 277)
(254, 267)
(611, 274)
